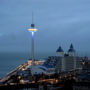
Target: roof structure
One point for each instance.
(71, 49)
(59, 49)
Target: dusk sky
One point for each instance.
(59, 22)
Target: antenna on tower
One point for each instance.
(32, 17)
(32, 25)
(32, 29)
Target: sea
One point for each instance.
(10, 60)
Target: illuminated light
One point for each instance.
(60, 77)
(56, 81)
(32, 29)
(32, 33)
(83, 63)
(52, 82)
(44, 80)
(19, 77)
(30, 62)
(6, 84)
(11, 83)
(74, 77)
(23, 69)
(33, 81)
(65, 76)
(22, 81)
(37, 62)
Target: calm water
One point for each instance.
(9, 61)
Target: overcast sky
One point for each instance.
(59, 22)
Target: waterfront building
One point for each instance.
(64, 62)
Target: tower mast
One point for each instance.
(32, 30)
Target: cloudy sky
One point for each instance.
(59, 22)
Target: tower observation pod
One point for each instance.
(32, 30)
